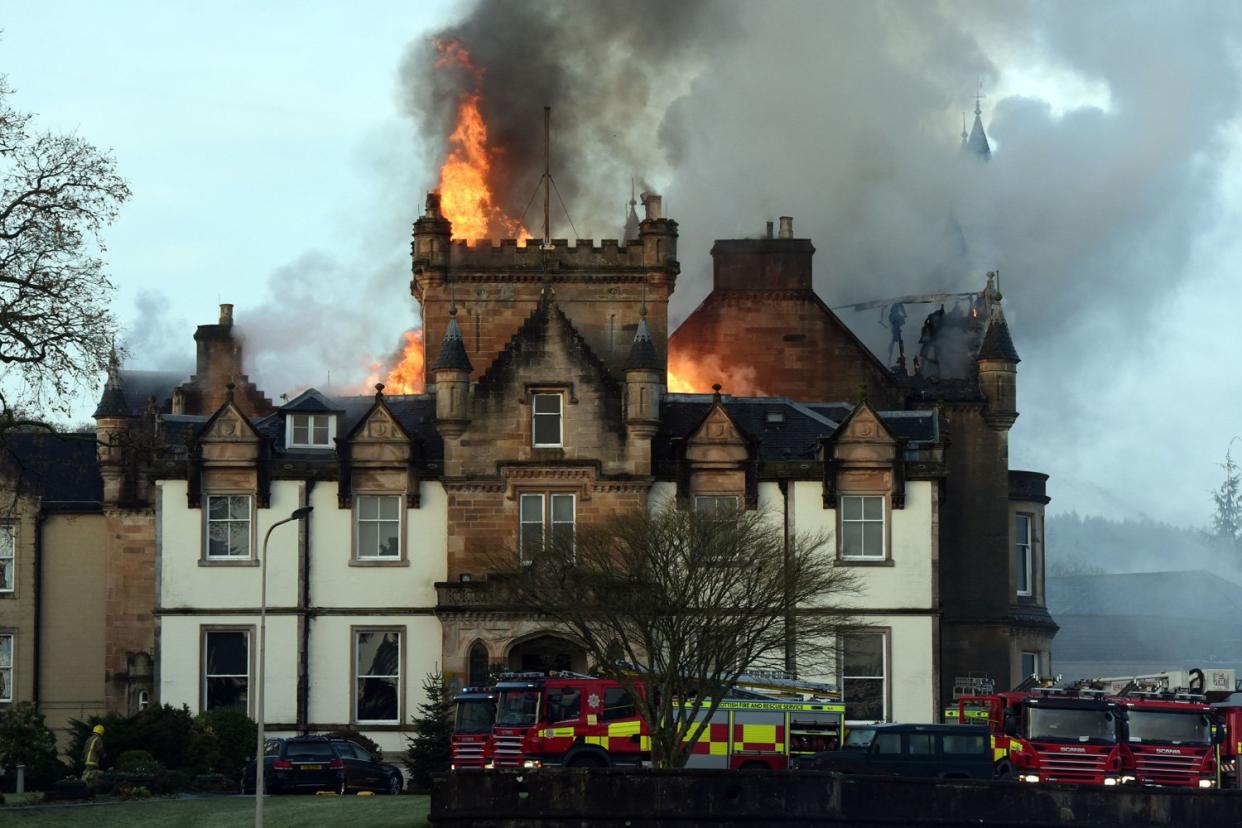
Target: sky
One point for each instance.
(278, 153)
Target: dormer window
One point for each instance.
(547, 424)
(310, 431)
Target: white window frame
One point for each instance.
(1022, 663)
(248, 633)
(208, 520)
(1024, 549)
(883, 521)
(6, 669)
(359, 520)
(559, 415)
(310, 417)
(358, 676)
(884, 636)
(8, 555)
(546, 512)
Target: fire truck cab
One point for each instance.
(1169, 740)
(1229, 727)
(473, 720)
(1052, 735)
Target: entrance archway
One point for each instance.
(547, 652)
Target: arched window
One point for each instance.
(478, 665)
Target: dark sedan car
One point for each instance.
(928, 750)
(322, 763)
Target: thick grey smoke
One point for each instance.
(609, 69)
(847, 116)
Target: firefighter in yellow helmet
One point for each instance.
(92, 754)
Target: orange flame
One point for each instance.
(688, 374)
(465, 195)
(406, 374)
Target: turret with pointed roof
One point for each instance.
(998, 372)
(630, 232)
(452, 375)
(977, 142)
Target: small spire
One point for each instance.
(997, 343)
(452, 348)
(114, 368)
(977, 142)
(964, 134)
(642, 353)
(630, 231)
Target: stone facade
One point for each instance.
(579, 335)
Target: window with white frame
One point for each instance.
(6, 667)
(378, 519)
(377, 676)
(1030, 664)
(226, 670)
(862, 527)
(1023, 552)
(864, 664)
(547, 422)
(8, 558)
(545, 518)
(716, 507)
(310, 430)
(228, 526)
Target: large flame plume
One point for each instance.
(403, 372)
(465, 192)
(690, 374)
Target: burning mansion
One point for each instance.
(548, 403)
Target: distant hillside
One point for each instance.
(1092, 545)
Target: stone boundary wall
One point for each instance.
(612, 798)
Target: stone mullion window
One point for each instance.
(545, 517)
(229, 526)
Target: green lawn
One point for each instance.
(227, 811)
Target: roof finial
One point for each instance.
(642, 309)
(379, 391)
(229, 389)
(716, 392)
(964, 135)
(114, 368)
(978, 97)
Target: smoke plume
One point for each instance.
(610, 70)
(1110, 131)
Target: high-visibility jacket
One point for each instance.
(93, 751)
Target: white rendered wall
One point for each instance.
(908, 582)
(335, 583)
(181, 668)
(332, 671)
(183, 582)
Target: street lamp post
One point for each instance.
(298, 514)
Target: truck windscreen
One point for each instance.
(475, 716)
(1169, 728)
(517, 708)
(1052, 724)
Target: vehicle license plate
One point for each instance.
(312, 767)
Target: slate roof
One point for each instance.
(139, 386)
(997, 343)
(642, 351)
(308, 402)
(415, 412)
(62, 468)
(785, 429)
(452, 354)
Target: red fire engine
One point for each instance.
(1229, 718)
(1051, 735)
(1169, 740)
(572, 720)
(472, 727)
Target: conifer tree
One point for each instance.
(1227, 521)
(429, 747)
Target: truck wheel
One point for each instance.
(587, 760)
(1004, 770)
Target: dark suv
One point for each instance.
(929, 750)
(322, 763)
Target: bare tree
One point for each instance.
(681, 605)
(57, 193)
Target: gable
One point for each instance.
(717, 439)
(228, 425)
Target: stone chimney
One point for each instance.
(781, 263)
